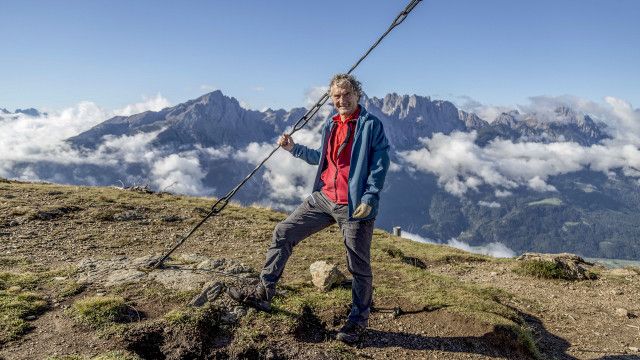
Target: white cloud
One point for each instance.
(495, 249)
(394, 167)
(245, 105)
(461, 165)
(155, 103)
(258, 88)
(537, 184)
(180, 173)
(207, 87)
(28, 140)
(502, 193)
(213, 153)
(31, 139)
(486, 112)
(289, 178)
(490, 204)
(312, 95)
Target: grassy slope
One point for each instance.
(240, 233)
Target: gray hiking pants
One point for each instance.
(314, 214)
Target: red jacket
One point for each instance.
(335, 175)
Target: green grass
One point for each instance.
(548, 201)
(547, 270)
(14, 308)
(540, 269)
(396, 282)
(100, 311)
(22, 294)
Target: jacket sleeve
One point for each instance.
(378, 166)
(311, 156)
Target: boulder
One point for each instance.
(123, 277)
(573, 266)
(209, 293)
(622, 312)
(324, 275)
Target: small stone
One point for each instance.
(59, 278)
(622, 312)
(128, 215)
(324, 275)
(239, 269)
(14, 289)
(209, 293)
(192, 258)
(634, 349)
(210, 264)
(148, 260)
(239, 311)
(622, 272)
(30, 317)
(493, 273)
(121, 277)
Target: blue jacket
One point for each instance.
(369, 161)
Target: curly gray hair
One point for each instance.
(346, 80)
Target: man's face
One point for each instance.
(344, 99)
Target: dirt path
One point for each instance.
(579, 318)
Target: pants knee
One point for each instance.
(282, 236)
(362, 270)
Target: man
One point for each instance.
(353, 160)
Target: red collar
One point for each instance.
(351, 117)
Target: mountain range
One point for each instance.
(585, 211)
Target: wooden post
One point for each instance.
(397, 231)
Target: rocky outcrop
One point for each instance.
(324, 275)
(572, 266)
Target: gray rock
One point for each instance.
(324, 275)
(144, 261)
(622, 312)
(210, 264)
(209, 293)
(128, 215)
(179, 280)
(123, 277)
(239, 269)
(192, 258)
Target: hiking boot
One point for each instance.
(252, 296)
(351, 333)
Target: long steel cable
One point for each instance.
(219, 205)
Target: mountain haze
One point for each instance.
(207, 145)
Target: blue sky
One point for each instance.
(55, 54)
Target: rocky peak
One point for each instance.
(410, 117)
(29, 111)
(509, 119)
(564, 111)
(471, 120)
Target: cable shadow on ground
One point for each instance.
(501, 342)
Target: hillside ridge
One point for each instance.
(432, 301)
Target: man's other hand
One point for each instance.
(286, 142)
(362, 211)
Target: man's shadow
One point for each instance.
(501, 342)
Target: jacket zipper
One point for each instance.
(335, 163)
